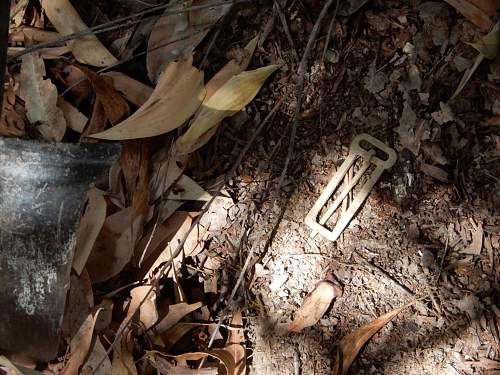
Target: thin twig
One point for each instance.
(166, 266)
(117, 24)
(286, 29)
(300, 88)
(330, 28)
(382, 272)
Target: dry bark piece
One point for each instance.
(350, 345)
(41, 96)
(88, 49)
(176, 97)
(315, 304)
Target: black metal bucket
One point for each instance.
(42, 191)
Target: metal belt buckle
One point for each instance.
(368, 157)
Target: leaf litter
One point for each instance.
(163, 236)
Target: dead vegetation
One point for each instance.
(192, 256)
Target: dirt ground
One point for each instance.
(388, 71)
(429, 232)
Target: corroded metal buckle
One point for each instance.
(367, 149)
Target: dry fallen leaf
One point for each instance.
(97, 356)
(148, 315)
(80, 345)
(231, 98)
(315, 304)
(88, 49)
(174, 334)
(176, 97)
(153, 249)
(435, 172)
(174, 315)
(134, 91)
(175, 36)
(186, 189)
(236, 344)
(222, 355)
(34, 34)
(472, 13)
(232, 68)
(75, 120)
(11, 123)
(477, 238)
(351, 344)
(164, 367)
(114, 246)
(168, 164)
(115, 107)
(489, 45)
(40, 95)
(8, 367)
(89, 228)
(123, 361)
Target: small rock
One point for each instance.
(427, 258)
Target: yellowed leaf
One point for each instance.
(226, 101)
(134, 91)
(176, 97)
(315, 304)
(232, 68)
(489, 44)
(40, 96)
(75, 120)
(351, 344)
(89, 228)
(88, 49)
(5, 363)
